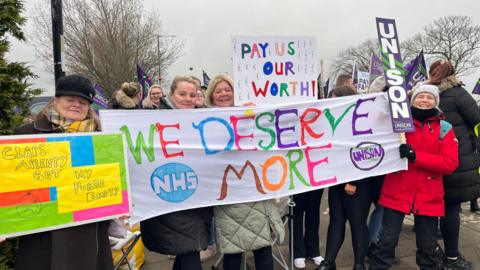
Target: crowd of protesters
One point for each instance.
(442, 173)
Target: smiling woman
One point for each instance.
(183, 94)
(81, 247)
(432, 152)
(72, 107)
(219, 92)
(183, 233)
(152, 100)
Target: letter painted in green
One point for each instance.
(270, 131)
(331, 119)
(140, 143)
(283, 89)
(292, 167)
(291, 49)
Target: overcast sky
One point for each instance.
(207, 25)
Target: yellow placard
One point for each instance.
(33, 165)
(90, 187)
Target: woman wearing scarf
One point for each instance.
(432, 152)
(80, 247)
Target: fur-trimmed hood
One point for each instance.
(449, 82)
(121, 101)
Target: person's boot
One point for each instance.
(327, 265)
(439, 257)
(459, 264)
(474, 206)
(371, 247)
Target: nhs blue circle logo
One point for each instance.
(174, 182)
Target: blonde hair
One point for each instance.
(199, 83)
(212, 84)
(147, 101)
(130, 89)
(182, 78)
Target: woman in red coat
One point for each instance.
(432, 151)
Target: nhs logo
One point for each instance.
(174, 182)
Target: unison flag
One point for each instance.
(417, 71)
(376, 66)
(476, 90)
(100, 101)
(325, 88)
(143, 80)
(206, 79)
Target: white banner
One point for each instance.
(272, 69)
(181, 159)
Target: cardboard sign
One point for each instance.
(272, 70)
(61, 180)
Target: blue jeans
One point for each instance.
(375, 223)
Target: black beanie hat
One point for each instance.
(75, 85)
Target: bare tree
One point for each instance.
(452, 37)
(360, 54)
(104, 39)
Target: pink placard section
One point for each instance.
(103, 211)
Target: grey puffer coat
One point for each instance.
(247, 226)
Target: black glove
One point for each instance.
(406, 151)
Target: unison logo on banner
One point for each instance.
(390, 49)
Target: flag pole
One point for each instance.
(370, 67)
(320, 83)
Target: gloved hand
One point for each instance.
(406, 151)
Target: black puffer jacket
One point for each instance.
(178, 232)
(461, 111)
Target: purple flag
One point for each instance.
(325, 88)
(143, 80)
(376, 67)
(100, 101)
(417, 71)
(476, 90)
(402, 120)
(206, 79)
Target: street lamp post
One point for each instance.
(158, 55)
(57, 35)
